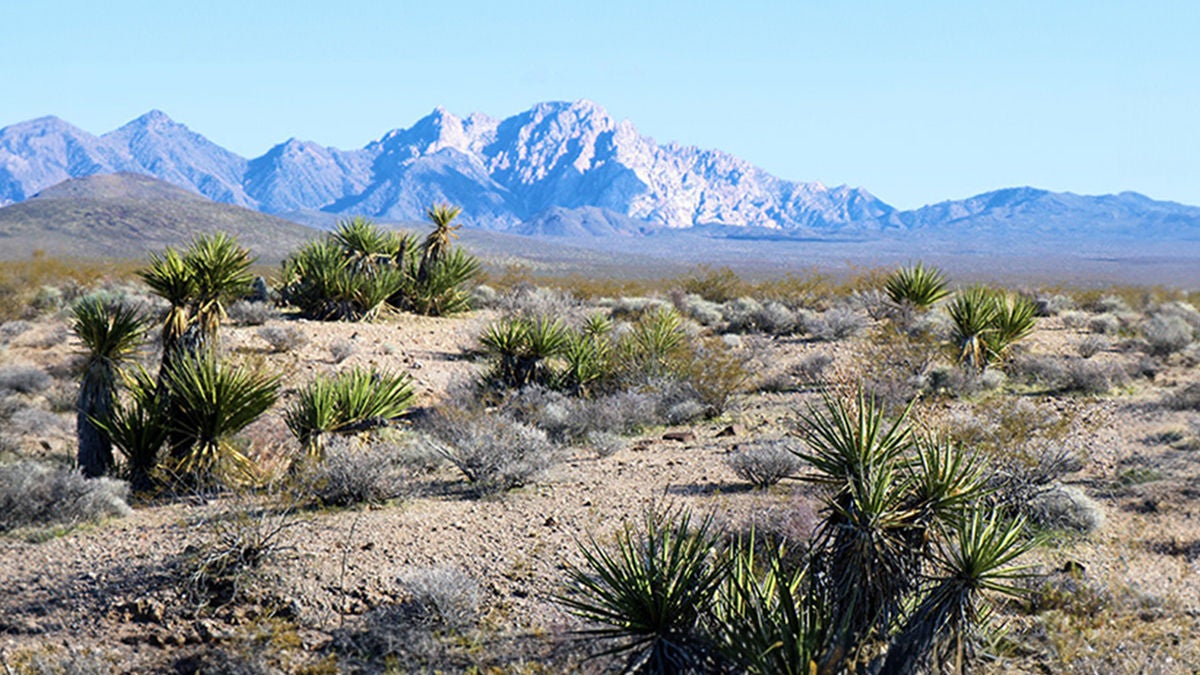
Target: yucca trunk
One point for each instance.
(95, 402)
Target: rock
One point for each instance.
(731, 430)
(680, 436)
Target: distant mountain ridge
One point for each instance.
(558, 169)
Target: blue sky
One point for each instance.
(917, 102)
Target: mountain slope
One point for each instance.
(125, 215)
(557, 169)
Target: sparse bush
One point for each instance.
(764, 463)
(1105, 324)
(340, 350)
(248, 313)
(1109, 304)
(836, 324)
(1074, 320)
(35, 494)
(12, 329)
(605, 443)
(714, 285)
(494, 453)
(1184, 398)
(442, 596)
(531, 302)
(1091, 345)
(696, 308)
(1166, 334)
(232, 547)
(1045, 370)
(23, 380)
(484, 297)
(1066, 507)
(283, 339)
(31, 421)
(1055, 305)
(811, 368)
(742, 314)
(357, 473)
(1091, 377)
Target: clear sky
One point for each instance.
(916, 101)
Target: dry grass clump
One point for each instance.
(442, 596)
(34, 494)
(1091, 345)
(764, 463)
(340, 350)
(1184, 398)
(838, 323)
(1105, 324)
(1066, 507)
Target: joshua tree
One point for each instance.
(110, 332)
(437, 243)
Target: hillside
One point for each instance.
(125, 215)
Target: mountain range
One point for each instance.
(558, 169)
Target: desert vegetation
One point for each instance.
(385, 458)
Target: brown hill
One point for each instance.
(125, 215)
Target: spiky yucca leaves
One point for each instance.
(352, 401)
(138, 428)
(589, 361)
(972, 562)
(763, 619)
(987, 323)
(440, 291)
(655, 346)
(917, 286)
(1015, 318)
(651, 596)
(520, 349)
(369, 247)
(320, 279)
(868, 549)
(220, 271)
(169, 277)
(110, 332)
(210, 402)
(437, 243)
(973, 312)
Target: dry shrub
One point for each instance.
(13, 329)
(494, 452)
(283, 339)
(231, 548)
(810, 370)
(835, 324)
(248, 313)
(35, 494)
(764, 463)
(1091, 345)
(23, 379)
(1066, 507)
(356, 472)
(442, 596)
(340, 350)
(1166, 334)
(1074, 320)
(1184, 398)
(1105, 324)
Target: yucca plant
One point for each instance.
(320, 279)
(169, 277)
(588, 358)
(649, 598)
(1015, 318)
(110, 332)
(917, 286)
(440, 292)
(972, 562)
(211, 401)
(653, 347)
(438, 242)
(352, 401)
(220, 272)
(763, 618)
(520, 349)
(369, 247)
(138, 428)
(973, 312)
